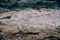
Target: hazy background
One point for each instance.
(10, 4)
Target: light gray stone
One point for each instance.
(37, 23)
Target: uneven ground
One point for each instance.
(30, 24)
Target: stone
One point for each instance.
(30, 24)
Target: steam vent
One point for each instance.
(29, 20)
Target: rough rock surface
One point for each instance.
(29, 24)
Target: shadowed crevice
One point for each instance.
(31, 33)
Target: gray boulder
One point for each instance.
(30, 24)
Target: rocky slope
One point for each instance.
(30, 24)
